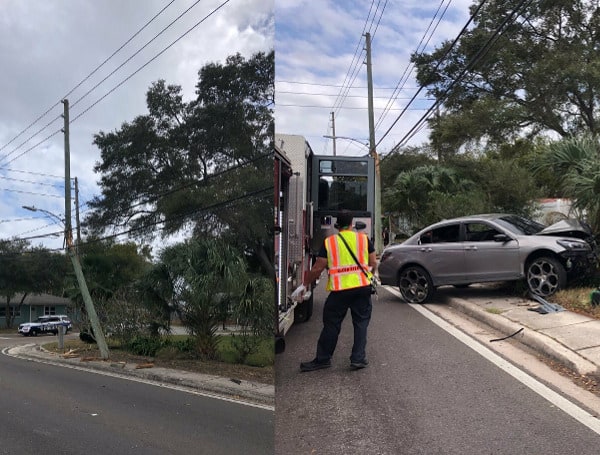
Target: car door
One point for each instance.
(443, 255)
(487, 259)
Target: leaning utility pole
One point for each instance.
(77, 223)
(377, 218)
(87, 298)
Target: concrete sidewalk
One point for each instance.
(259, 394)
(570, 338)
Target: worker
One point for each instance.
(350, 282)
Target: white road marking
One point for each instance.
(559, 401)
(5, 351)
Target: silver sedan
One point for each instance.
(486, 248)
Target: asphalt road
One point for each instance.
(50, 409)
(424, 392)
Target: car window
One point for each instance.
(445, 234)
(480, 232)
(520, 225)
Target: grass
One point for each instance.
(265, 355)
(494, 310)
(577, 300)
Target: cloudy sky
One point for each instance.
(48, 47)
(320, 67)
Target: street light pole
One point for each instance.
(364, 144)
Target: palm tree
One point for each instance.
(575, 162)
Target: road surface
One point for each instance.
(424, 392)
(57, 410)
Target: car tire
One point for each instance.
(545, 276)
(33, 333)
(415, 284)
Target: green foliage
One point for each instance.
(574, 164)
(464, 185)
(25, 269)
(540, 74)
(262, 356)
(146, 346)
(255, 315)
(201, 274)
(204, 164)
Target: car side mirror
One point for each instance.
(501, 238)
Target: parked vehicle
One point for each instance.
(485, 248)
(46, 324)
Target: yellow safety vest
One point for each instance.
(344, 273)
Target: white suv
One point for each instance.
(46, 324)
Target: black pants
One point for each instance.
(358, 300)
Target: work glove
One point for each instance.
(300, 294)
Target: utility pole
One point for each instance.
(87, 298)
(333, 128)
(78, 224)
(377, 218)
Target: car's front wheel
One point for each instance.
(415, 284)
(546, 276)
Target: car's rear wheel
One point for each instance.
(546, 276)
(415, 284)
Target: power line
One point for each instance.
(462, 32)
(404, 78)
(128, 77)
(151, 60)
(348, 107)
(33, 146)
(480, 54)
(281, 81)
(57, 185)
(30, 192)
(134, 54)
(30, 172)
(84, 80)
(347, 96)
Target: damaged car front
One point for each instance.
(580, 261)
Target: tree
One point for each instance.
(541, 75)
(25, 269)
(199, 271)
(111, 270)
(254, 313)
(203, 164)
(463, 186)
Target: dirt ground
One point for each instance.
(265, 375)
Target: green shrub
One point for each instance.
(147, 346)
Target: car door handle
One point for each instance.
(470, 248)
(426, 250)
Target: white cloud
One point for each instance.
(317, 43)
(49, 46)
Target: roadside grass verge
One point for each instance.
(577, 300)
(176, 347)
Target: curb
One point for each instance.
(529, 337)
(242, 391)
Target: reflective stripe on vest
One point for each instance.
(344, 273)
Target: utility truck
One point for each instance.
(310, 191)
